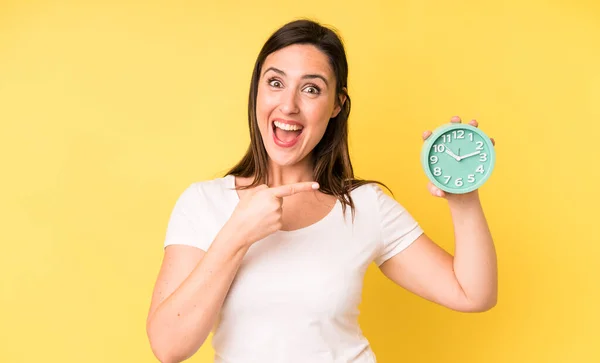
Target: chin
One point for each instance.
(283, 158)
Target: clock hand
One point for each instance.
(469, 155)
(454, 156)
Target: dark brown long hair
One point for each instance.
(331, 159)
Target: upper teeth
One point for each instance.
(287, 127)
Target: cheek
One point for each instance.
(319, 116)
(265, 103)
(263, 109)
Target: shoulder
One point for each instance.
(392, 224)
(214, 184)
(198, 213)
(377, 200)
(370, 193)
(203, 193)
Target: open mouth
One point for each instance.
(286, 134)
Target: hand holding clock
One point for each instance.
(449, 173)
(472, 268)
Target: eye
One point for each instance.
(274, 82)
(313, 90)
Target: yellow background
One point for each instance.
(109, 109)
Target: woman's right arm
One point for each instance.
(189, 292)
(192, 285)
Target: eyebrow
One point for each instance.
(306, 76)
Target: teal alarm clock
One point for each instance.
(458, 158)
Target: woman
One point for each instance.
(273, 254)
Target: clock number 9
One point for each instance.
(433, 159)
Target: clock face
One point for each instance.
(458, 158)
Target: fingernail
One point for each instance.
(315, 186)
(439, 193)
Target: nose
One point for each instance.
(289, 102)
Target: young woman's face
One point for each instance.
(295, 100)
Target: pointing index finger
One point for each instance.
(291, 189)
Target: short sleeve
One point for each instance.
(398, 228)
(185, 222)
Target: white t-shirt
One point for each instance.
(295, 297)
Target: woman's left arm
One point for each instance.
(467, 281)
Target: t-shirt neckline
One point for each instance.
(230, 179)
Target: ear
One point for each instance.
(338, 106)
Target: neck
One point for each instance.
(289, 174)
